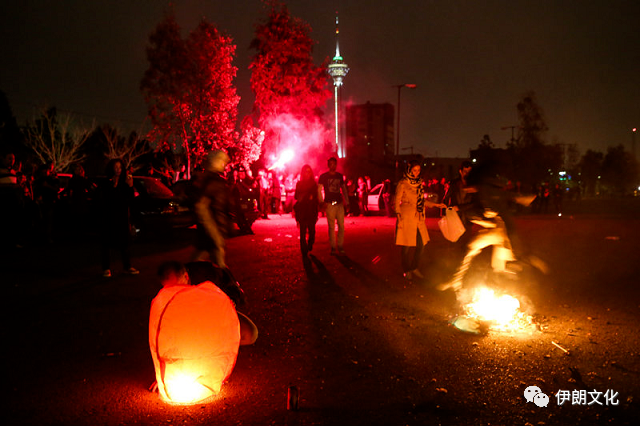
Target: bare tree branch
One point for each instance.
(57, 138)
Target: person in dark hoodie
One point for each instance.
(212, 209)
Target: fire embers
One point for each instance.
(486, 309)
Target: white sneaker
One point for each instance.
(132, 271)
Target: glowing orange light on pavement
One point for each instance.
(184, 388)
(500, 311)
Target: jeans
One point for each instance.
(411, 261)
(335, 212)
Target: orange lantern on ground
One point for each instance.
(194, 336)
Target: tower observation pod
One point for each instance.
(338, 70)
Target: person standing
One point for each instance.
(242, 196)
(263, 182)
(411, 229)
(461, 197)
(306, 208)
(335, 202)
(363, 196)
(115, 197)
(212, 209)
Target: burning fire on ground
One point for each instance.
(486, 309)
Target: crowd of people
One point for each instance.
(33, 203)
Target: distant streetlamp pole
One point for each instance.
(512, 130)
(633, 142)
(400, 86)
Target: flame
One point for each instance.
(286, 156)
(500, 311)
(184, 388)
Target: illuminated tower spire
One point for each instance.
(338, 70)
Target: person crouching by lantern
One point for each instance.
(212, 209)
(411, 229)
(306, 208)
(194, 336)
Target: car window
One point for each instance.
(153, 188)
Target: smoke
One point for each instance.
(307, 139)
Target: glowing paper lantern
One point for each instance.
(194, 335)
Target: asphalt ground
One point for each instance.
(361, 344)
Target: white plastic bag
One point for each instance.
(451, 225)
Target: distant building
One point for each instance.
(370, 141)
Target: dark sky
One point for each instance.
(471, 59)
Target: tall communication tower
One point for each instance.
(338, 70)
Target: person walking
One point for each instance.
(411, 229)
(306, 208)
(212, 210)
(335, 202)
(462, 198)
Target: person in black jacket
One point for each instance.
(306, 208)
(212, 209)
(115, 197)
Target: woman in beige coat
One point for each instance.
(411, 229)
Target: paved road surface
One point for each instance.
(363, 346)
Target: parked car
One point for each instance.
(155, 206)
(375, 200)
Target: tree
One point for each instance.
(533, 160)
(128, 149)
(189, 89)
(249, 147)
(619, 171)
(590, 169)
(57, 138)
(284, 79)
(11, 139)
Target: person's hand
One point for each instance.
(130, 180)
(441, 206)
(399, 216)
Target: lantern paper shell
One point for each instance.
(194, 335)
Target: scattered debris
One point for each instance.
(560, 347)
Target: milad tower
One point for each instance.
(338, 70)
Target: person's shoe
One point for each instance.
(132, 271)
(333, 252)
(106, 273)
(341, 250)
(416, 273)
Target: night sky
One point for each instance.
(471, 60)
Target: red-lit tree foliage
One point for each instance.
(284, 78)
(249, 146)
(189, 89)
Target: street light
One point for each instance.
(633, 142)
(400, 86)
